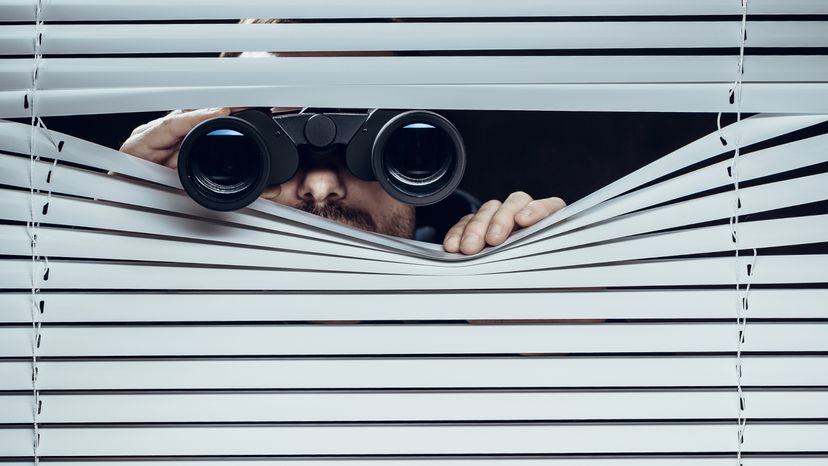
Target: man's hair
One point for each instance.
(284, 21)
(254, 21)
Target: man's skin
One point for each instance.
(327, 188)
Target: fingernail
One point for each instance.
(495, 230)
(470, 239)
(525, 212)
(452, 238)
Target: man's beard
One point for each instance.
(397, 224)
(337, 212)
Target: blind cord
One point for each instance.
(735, 98)
(38, 270)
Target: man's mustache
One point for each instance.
(340, 213)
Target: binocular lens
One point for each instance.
(418, 155)
(227, 161)
(223, 163)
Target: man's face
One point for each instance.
(324, 186)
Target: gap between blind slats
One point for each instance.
(97, 10)
(202, 38)
(15, 206)
(649, 304)
(76, 151)
(802, 98)
(406, 407)
(409, 373)
(755, 165)
(752, 130)
(320, 340)
(397, 440)
(106, 73)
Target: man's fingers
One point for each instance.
(175, 126)
(473, 238)
(451, 243)
(159, 140)
(538, 210)
(503, 221)
(137, 146)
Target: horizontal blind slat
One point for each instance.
(85, 245)
(801, 98)
(330, 37)
(391, 440)
(67, 243)
(646, 304)
(402, 407)
(217, 9)
(106, 73)
(295, 340)
(776, 269)
(519, 372)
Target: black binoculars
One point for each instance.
(417, 156)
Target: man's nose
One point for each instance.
(321, 184)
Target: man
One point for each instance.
(327, 188)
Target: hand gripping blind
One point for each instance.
(676, 316)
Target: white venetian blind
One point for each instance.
(137, 327)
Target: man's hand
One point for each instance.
(159, 140)
(495, 221)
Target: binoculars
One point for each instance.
(417, 156)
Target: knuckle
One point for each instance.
(504, 219)
(477, 226)
(459, 226)
(490, 205)
(537, 205)
(138, 130)
(520, 195)
(455, 230)
(557, 201)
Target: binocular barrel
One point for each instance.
(417, 156)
